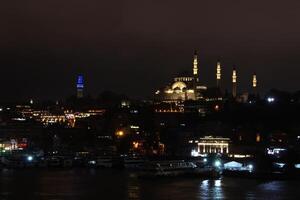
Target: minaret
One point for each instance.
(80, 86)
(218, 74)
(254, 84)
(234, 82)
(195, 66)
(195, 74)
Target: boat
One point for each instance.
(175, 168)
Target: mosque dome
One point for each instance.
(179, 85)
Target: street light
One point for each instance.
(29, 158)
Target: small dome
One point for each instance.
(179, 84)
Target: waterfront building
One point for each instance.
(210, 144)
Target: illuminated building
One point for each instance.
(234, 83)
(210, 144)
(125, 104)
(67, 117)
(53, 119)
(13, 144)
(276, 151)
(80, 86)
(184, 87)
(218, 74)
(187, 86)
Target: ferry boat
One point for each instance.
(167, 168)
(177, 168)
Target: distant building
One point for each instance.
(210, 144)
(80, 86)
(183, 87)
(187, 87)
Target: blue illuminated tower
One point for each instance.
(80, 86)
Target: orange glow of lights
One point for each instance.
(120, 133)
(135, 145)
(258, 139)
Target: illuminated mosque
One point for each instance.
(188, 87)
(184, 87)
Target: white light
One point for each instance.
(297, 166)
(29, 158)
(194, 153)
(270, 99)
(205, 160)
(273, 151)
(217, 163)
(217, 183)
(92, 162)
(280, 165)
(19, 119)
(250, 167)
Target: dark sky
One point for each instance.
(135, 46)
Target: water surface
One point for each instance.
(90, 184)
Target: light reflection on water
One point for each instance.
(211, 189)
(113, 184)
(133, 188)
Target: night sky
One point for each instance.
(136, 46)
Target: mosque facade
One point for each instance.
(183, 87)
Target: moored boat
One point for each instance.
(175, 168)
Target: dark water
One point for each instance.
(89, 184)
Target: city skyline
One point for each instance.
(207, 76)
(121, 46)
(149, 99)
